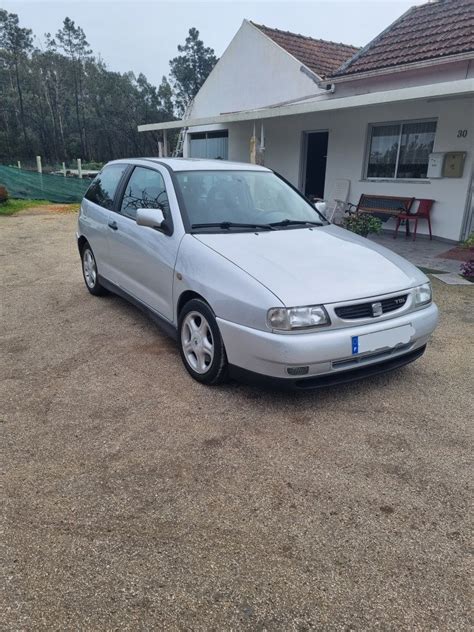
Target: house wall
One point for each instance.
(253, 72)
(348, 130)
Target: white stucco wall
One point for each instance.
(346, 153)
(252, 72)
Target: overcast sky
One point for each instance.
(143, 36)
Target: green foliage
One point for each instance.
(13, 206)
(63, 103)
(190, 69)
(362, 223)
(469, 242)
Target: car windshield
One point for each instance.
(243, 200)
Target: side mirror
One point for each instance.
(321, 207)
(151, 217)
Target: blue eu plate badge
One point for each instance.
(355, 345)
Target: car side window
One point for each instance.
(104, 186)
(145, 189)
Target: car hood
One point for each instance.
(321, 265)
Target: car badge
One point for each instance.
(377, 309)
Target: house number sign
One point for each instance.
(462, 133)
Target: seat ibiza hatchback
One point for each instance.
(247, 276)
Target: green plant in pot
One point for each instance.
(362, 223)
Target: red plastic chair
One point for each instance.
(423, 212)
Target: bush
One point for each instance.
(3, 194)
(467, 269)
(362, 223)
(469, 242)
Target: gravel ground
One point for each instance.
(137, 499)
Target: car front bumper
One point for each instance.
(324, 352)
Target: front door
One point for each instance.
(143, 258)
(316, 149)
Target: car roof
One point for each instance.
(194, 164)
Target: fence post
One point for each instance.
(38, 164)
(19, 164)
(79, 168)
(64, 169)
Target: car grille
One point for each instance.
(364, 310)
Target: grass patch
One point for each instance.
(12, 206)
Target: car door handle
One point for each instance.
(113, 225)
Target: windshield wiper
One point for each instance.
(227, 225)
(295, 222)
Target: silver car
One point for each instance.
(248, 277)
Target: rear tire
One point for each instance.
(90, 272)
(200, 344)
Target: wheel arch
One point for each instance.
(187, 296)
(81, 243)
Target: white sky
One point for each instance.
(143, 35)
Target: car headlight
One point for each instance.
(423, 294)
(288, 318)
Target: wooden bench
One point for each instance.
(382, 206)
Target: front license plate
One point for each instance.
(388, 338)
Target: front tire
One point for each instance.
(200, 343)
(90, 273)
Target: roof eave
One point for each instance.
(388, 70)
(460, 87)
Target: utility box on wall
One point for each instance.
(449, 164)
(454, 164)
(435, 165)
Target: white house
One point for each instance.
(394, 118)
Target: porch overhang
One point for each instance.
(449, 89)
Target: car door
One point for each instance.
(143, 258)
(95, 213)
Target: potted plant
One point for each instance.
(467, 270)
(362, 223)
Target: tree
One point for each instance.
(72, 41)
(15, 43)
(190, 69)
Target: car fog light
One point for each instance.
(423, 294)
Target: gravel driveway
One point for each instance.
(137, 499)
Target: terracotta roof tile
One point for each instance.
(318, 55)
(430, 31)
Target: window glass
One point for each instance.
(145, 189)
(400, 150)
(241, 196)
(210, 145)
(103, 187)
(383, 151)
(415, 147)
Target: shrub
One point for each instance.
(467, 269)
(3, 194)
(362, 223)
(469, 242)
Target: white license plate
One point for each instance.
(385, 339)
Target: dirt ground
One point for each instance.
(136, 499)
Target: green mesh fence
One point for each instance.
(40, 186)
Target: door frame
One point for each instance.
(304, 155)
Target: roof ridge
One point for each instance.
(306, 37)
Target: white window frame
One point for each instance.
(368, 145)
